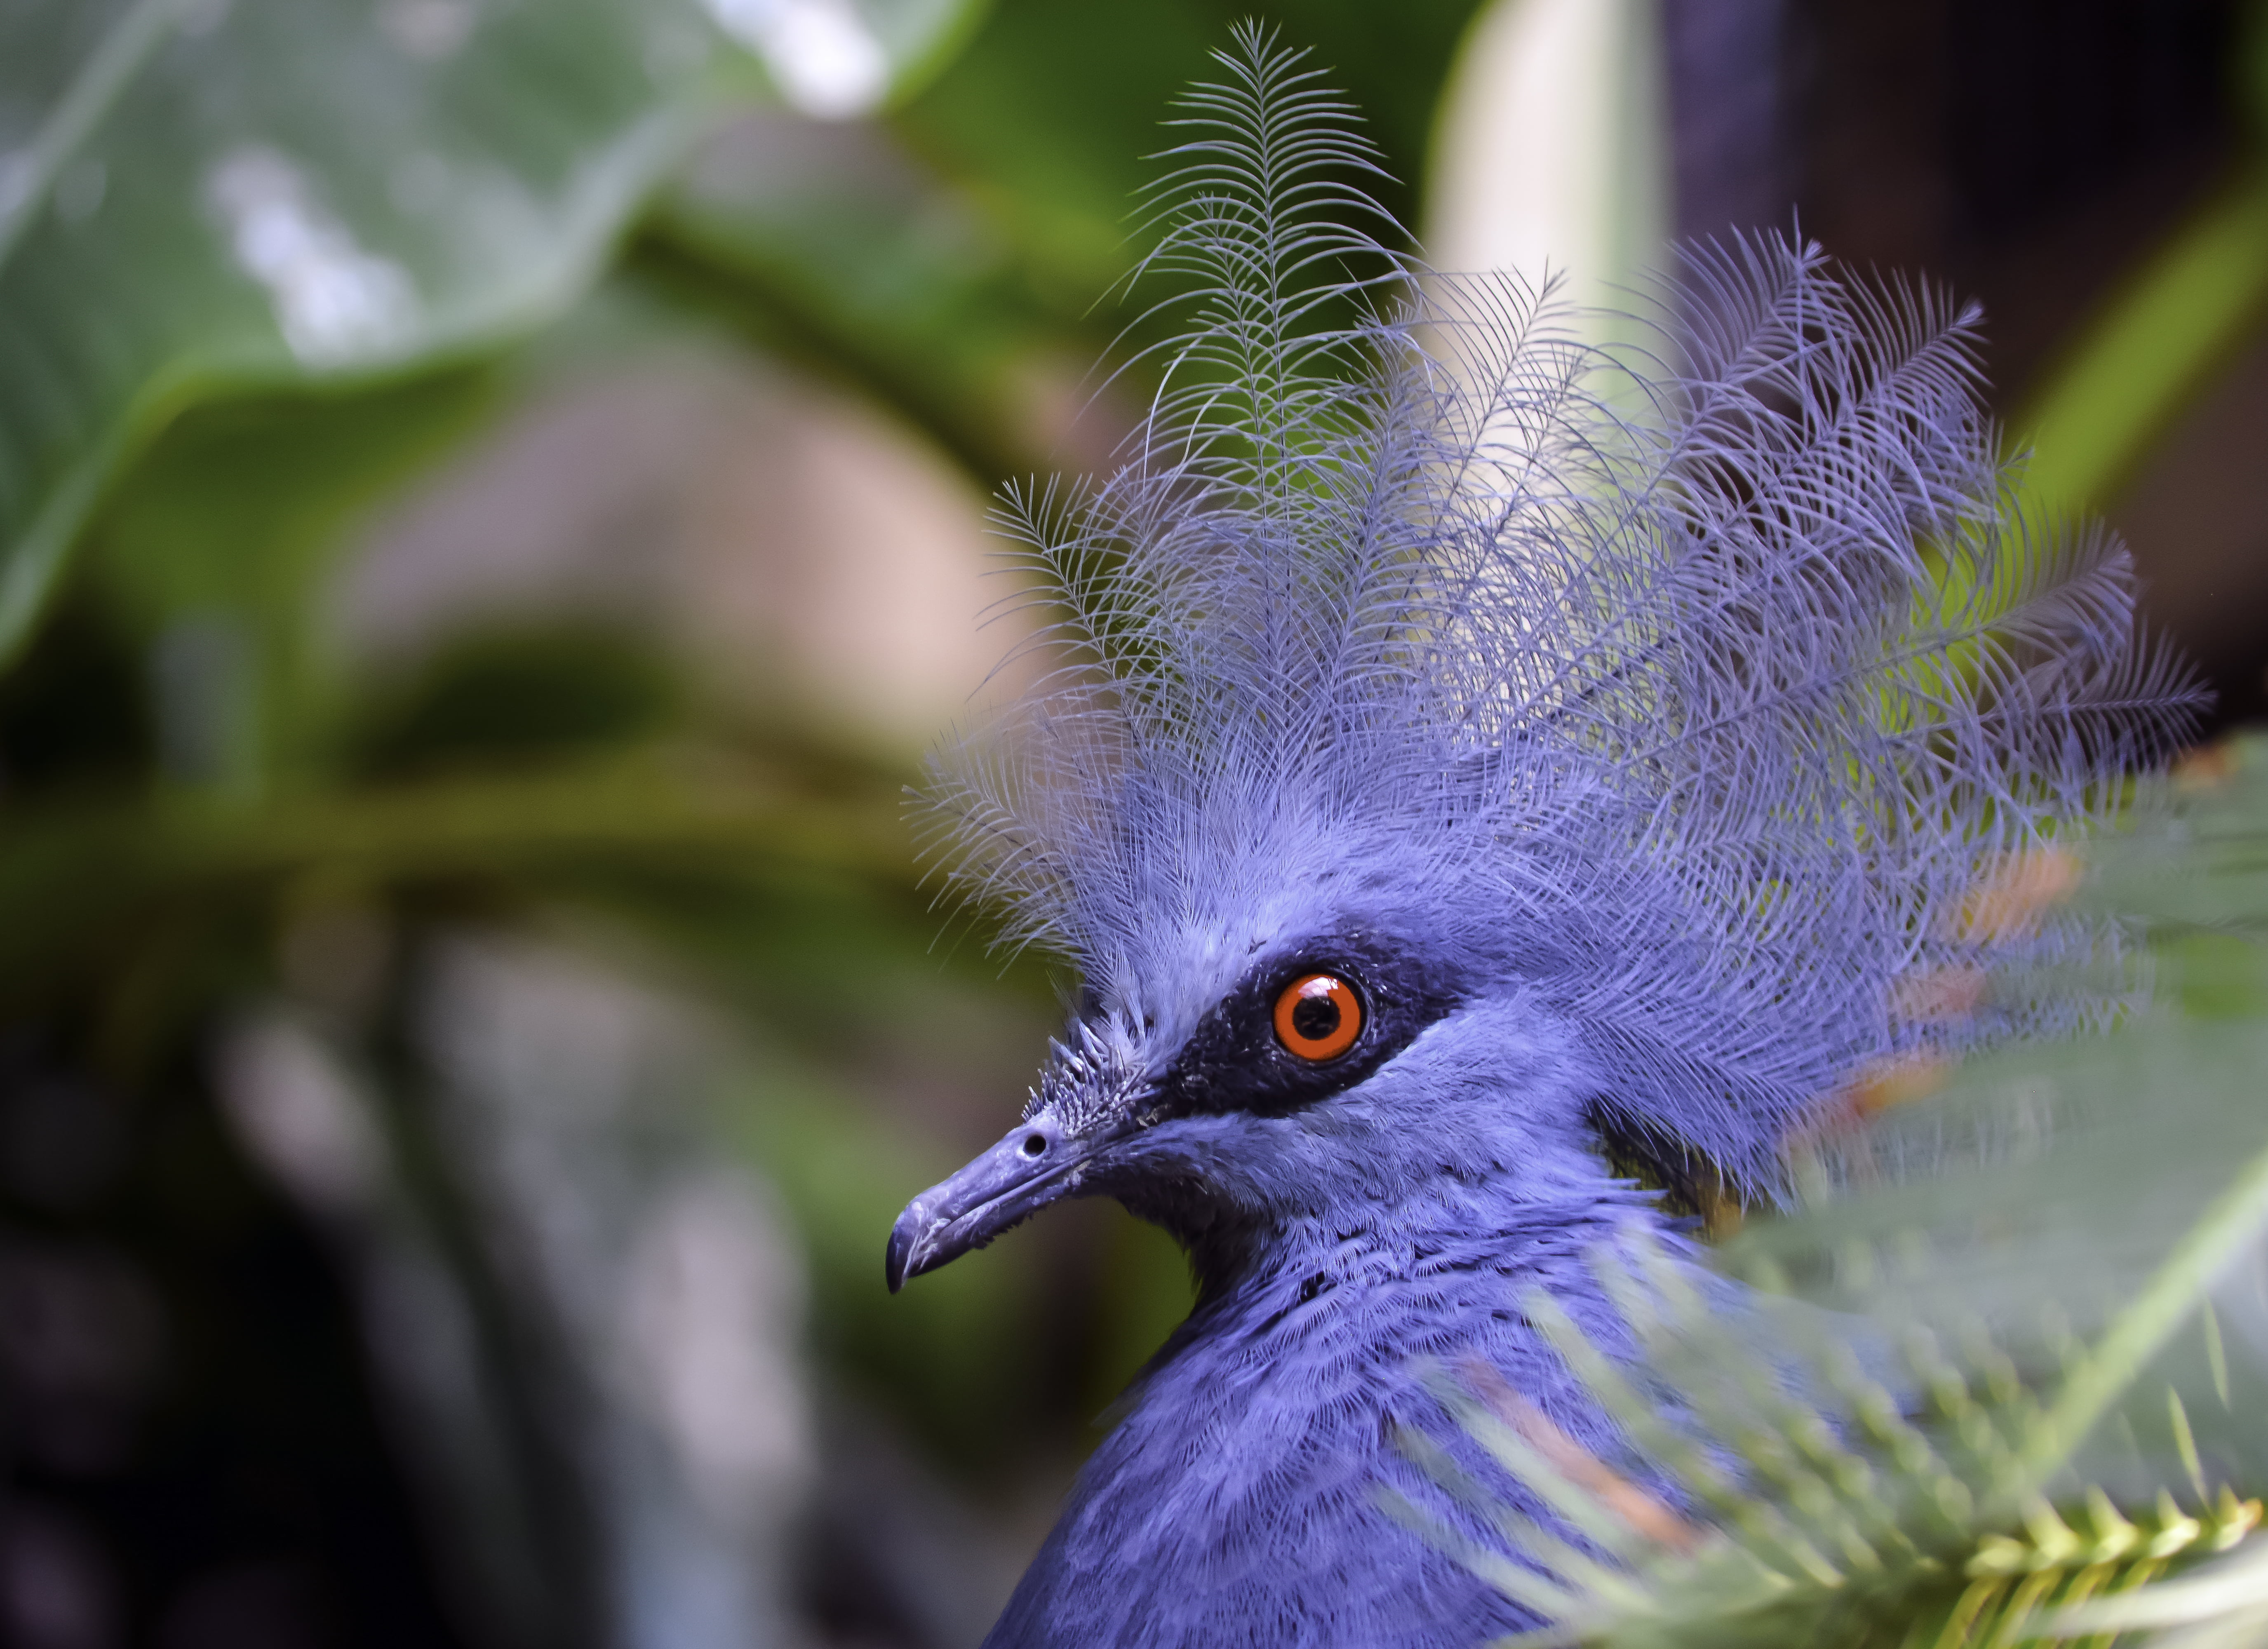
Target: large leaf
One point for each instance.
(833, 248)
(2186, 309)
(2183, 314)
(199, 194)
(957, 262)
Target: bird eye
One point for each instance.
(1318, 1016)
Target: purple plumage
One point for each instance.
(1472, 747)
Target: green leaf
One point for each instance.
(86, 884)
(1051, 113)
(201, 195)
(2181, 316)
(833, 248)
(1850, 1518)
(225, 529)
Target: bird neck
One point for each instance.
(1498, 1215)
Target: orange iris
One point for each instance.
(1318, 1016)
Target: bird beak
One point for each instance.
(1035, 1165)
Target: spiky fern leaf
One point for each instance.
(1818, 1501)
(2007, 1383)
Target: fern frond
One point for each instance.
(2003, 1384)
(1836, 1509)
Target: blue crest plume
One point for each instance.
(1473, 758)
(1698, 688)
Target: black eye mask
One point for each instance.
(1235, 1060)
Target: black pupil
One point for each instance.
(1314, 1018)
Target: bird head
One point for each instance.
(1315, 1048)
(1459, 739)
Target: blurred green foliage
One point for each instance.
(2176, 318)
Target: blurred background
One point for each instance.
(492, 508)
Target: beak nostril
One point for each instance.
(1035, 1145)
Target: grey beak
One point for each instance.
(1031, 1168)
